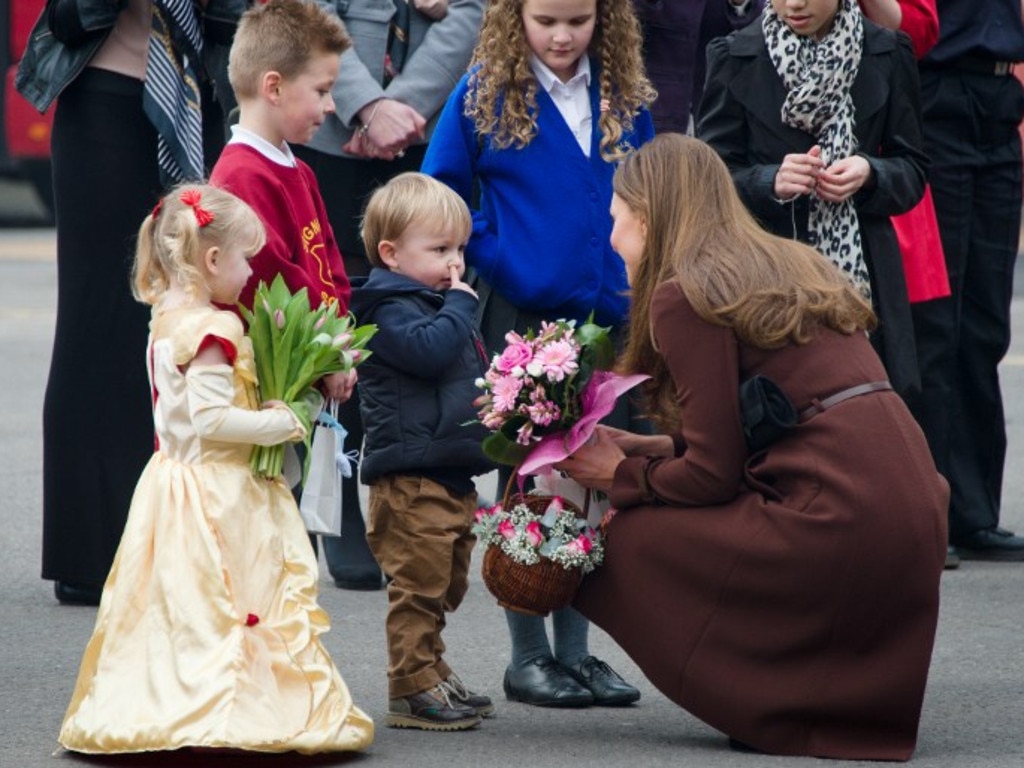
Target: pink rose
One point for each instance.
(581, 545)
(516, 354)
(506, 529)
(485, 512)
(534, 535)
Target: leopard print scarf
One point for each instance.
(818, 76)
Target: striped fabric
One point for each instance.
(171, 96)
(398, 40)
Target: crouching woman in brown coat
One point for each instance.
(779, 582)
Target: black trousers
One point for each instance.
(971, 133)
(345, 185)
(97, 417)
(97, 421)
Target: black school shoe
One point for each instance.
(604, 683)
(544, 682)
(360, 580)
(952, 559)
(77, 594)
(993, 544)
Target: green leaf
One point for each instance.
(597, 345)
(498, 448)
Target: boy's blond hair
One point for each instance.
(412, 198)
(281, 36)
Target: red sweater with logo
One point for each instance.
(300, 242)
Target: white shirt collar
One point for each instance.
(549, 80)
(281, 155)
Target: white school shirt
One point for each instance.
(281, 155)
(572, 98)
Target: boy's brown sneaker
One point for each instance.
(458, 691)
(431, 710)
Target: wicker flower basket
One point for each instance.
(534, 589)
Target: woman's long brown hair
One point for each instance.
(771, 291)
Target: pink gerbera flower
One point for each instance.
(556, 360)
(505, 391)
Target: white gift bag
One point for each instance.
(320, 503)
(556, 484)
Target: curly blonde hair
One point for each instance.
(502, 96)
(173, 239)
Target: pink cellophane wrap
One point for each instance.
(596, 400)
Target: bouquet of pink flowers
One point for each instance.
(545, 392)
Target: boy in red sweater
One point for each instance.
(283, 62)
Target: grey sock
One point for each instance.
(529, 637)
(571, 630)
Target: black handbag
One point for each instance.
(766, 412)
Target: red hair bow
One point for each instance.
(193, 198)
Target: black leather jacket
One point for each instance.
(69, 32)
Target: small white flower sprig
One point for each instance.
(557, 534)
(294, 347)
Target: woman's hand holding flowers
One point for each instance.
(594, 464)
(633, 444)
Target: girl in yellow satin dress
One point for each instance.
(208, 631)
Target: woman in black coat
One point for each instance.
(795, 169)
(107, 175)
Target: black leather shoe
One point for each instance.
(76, 594)
(997, 544)
(363, 581)
(608, 688)
(544, 682)
(952, 559)
(738, 746)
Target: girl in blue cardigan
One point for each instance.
(555, 96)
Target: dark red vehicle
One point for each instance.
(25, 138)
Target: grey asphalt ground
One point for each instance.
(973, 711)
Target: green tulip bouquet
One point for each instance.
(294, 347)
